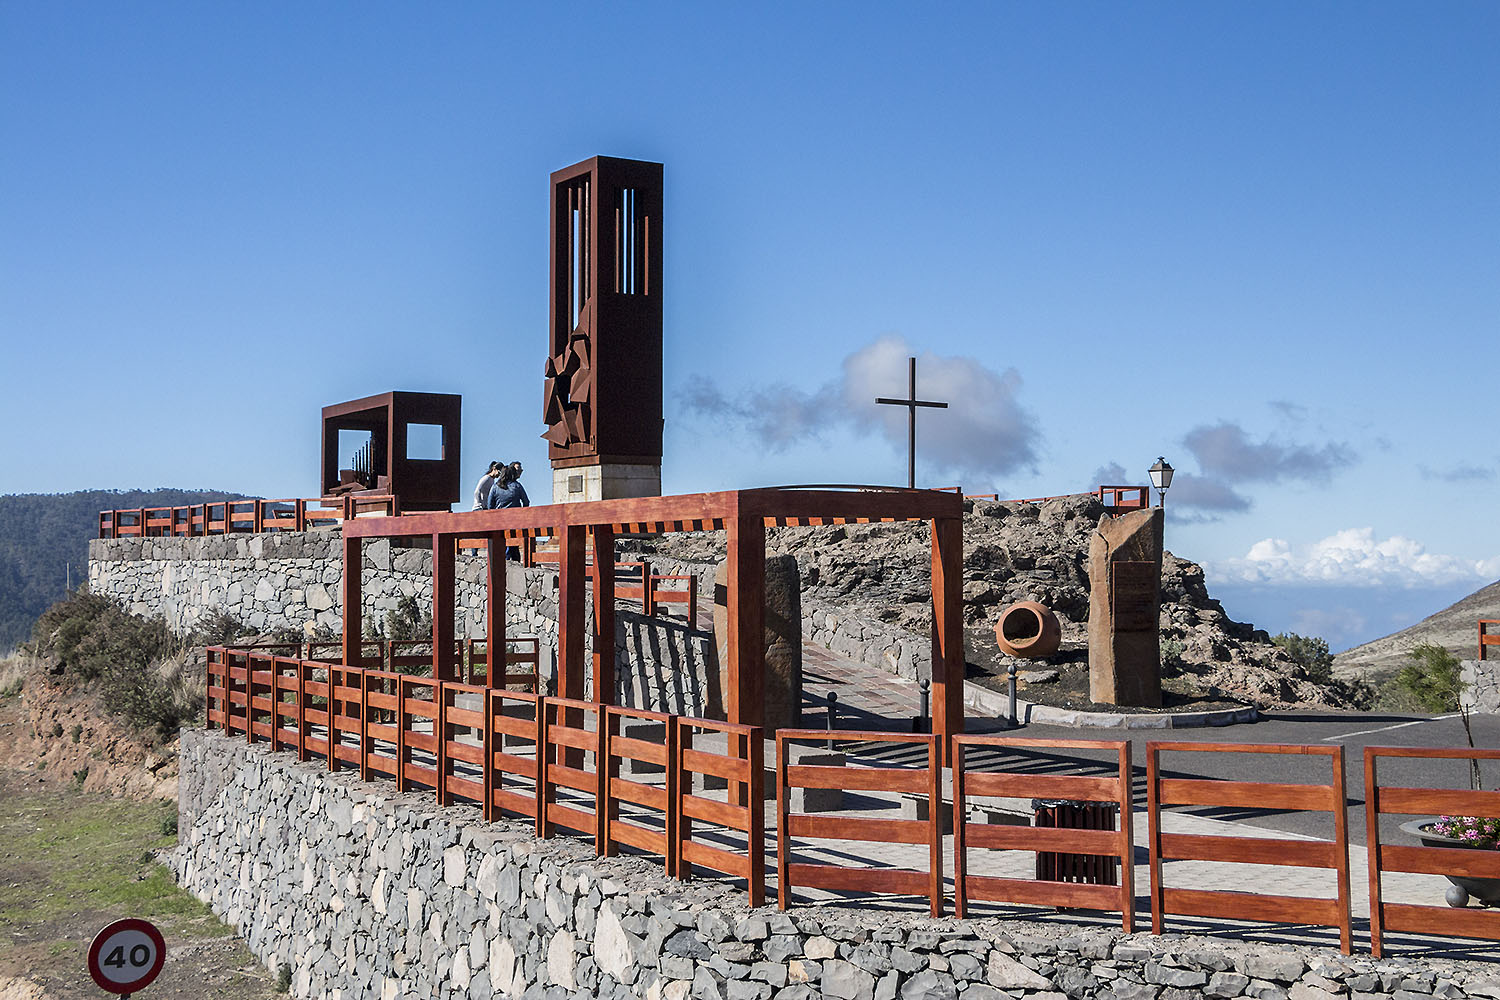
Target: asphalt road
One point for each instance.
(1353, 731)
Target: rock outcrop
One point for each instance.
(1022, 552)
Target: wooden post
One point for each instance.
(496, 666)
(1153, 837)
(572, 573)
(1340, 809)
(302, 724)
(960, 836)
(755, 835)
(572, 578)
(440, 729)
(747, 613)
(1127, 841)
(604, 614)
(947, 631)
(444, 567)
(746, 604)
(353, 601)
(1372, 848)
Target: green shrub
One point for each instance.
(408, 621)
(1171, 657)
(158, 697)
(141, 668)
(1309, 652)
(1432, 679)
(169, 821)
(87, 634)
(217, 628)
(80, 776)
(76, 732)
(284, 979)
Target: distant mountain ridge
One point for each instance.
(42, 534)
(1455, 628)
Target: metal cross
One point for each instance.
(911, 402)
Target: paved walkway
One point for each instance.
(872, 699)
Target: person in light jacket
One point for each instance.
(485, 484)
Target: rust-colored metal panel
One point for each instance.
(602, 400)
(422, 484)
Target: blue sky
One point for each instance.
(1258, 239)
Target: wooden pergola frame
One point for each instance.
(743, 514)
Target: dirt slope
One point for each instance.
(1455, 628)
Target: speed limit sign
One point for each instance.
(126, 955)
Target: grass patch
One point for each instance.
(72, 861)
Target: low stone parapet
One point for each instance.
(365, 893)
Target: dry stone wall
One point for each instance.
(1481, 685)
(369, 895)
(290, 581)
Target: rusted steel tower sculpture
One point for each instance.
(602, 403)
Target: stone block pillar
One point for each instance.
(1124, 609)
(782, 663)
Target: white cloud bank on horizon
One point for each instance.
(1353, 557)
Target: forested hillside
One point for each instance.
(41, 534)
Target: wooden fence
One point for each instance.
(414, 656)
(232, 516)
(1328, 797)
(1118, 844)
(556, 761)
(1116, 499)
(1384, 800)
(691, 791)
(926, 783)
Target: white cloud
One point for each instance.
(983, 433)
(1353, 557)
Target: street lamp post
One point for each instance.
(1161, 478)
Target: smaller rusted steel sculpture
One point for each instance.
(1028, 630)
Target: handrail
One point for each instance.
(1385, 800)
(926, 781)
(1487, 638)
(510, 751)
(1327, 797)
(233, 516)
(451, 737)
(1117, 846)
(1114, 498)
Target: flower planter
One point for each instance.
(1485, 890)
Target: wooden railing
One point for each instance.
(1486, 637)
(230, 516)
(414, 656)
(589, 768)
(924, 782)
(1117, 500)
(1384, 800)
(1118, 844)
(634, 581)
(461, 741)
(1333, 854)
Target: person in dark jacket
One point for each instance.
(508, 492)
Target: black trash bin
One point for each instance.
(1061, 866)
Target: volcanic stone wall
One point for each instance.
(364, 893)
(289, 581)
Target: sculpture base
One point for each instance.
(607, 481)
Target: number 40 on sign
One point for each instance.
(126, 956)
